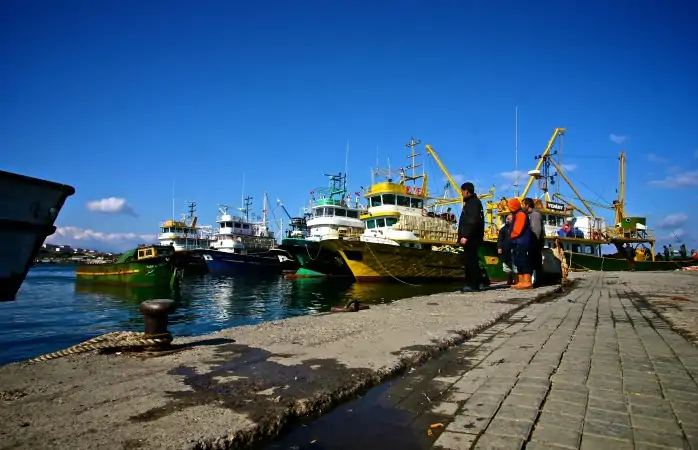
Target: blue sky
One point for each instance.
(120, 98)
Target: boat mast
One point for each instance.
(516, 151)
(173, 199)
(413, 143)
(247, 201)
(264, 209)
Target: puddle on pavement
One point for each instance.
(395, 414)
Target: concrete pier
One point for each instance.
(232, 388)
(597, 368)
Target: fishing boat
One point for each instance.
(185, 235)
(331, 215)
(244, 246)
(582, 232)
(151, 266)
(30, 207)
(402, 239)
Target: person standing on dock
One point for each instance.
(520, 238)
(538, 237)
(471, 233)
(504, 249)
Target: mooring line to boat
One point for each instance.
(307, 250)
(386, 270)
(119, 340)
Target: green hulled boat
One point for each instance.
(155, 265)
(331, 215)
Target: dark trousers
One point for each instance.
(471, 262)
(535, 254)
(522, 259)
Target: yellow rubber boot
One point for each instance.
(525, 282)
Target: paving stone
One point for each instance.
(482, 405)
(445, 408)
(510, 427)
(655, 438)
(454, 441)
(494, 442)
(525, 401)
(597, 403)
(654, 424)
(536, 391)
(563, 437)
(608, 417)
(607, 394)
(465, 423)
(612, 430)
(555, 407)
(559, 420)
(517, 413)
(538, 446)
(567, 396)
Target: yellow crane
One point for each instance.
(451, 181)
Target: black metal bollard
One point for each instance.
(155, 314)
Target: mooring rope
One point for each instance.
(115, 340)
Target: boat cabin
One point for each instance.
(332, 218)
(145, 252)
(234, 231)
(184, 237)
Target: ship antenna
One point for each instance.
(173, 198)
(346, 165)
(413, 143)
(516, 150)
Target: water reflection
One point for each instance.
(53, 312)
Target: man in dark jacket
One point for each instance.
(538, 234)
(504, 249)
(471, 233)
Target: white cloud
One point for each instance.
(85, 237)
(618, 139)
(569, 167)
(673, 220)
(111, 205)
(656, 159)
(459, 178)
(678, 180)
(513, 175)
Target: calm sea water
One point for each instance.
(51, 312)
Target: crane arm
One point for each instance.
(450, 179)
(557, 132)
(565, 201)
(452, 201)
(278, 202)
(569, 183)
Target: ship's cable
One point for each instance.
(318, 251)
(114, 341)
(386, 270)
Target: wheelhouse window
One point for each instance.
(371, 223)
(403, 201)
(245, 226)
(388, 199)
(237, 224)
(352, 214)
(340, 212)
(390, 221)
(375, 201)
(380, 223)
(416, 203)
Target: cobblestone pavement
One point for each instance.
(595, 370)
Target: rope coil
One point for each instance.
(111, 341)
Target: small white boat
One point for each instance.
(28, 209)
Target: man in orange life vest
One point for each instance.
(521, 240)
(471, 233)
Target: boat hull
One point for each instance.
(315, 259)
(383, 262)
(150, 274)
(579, 261)
(29, 208)
(231, 263)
